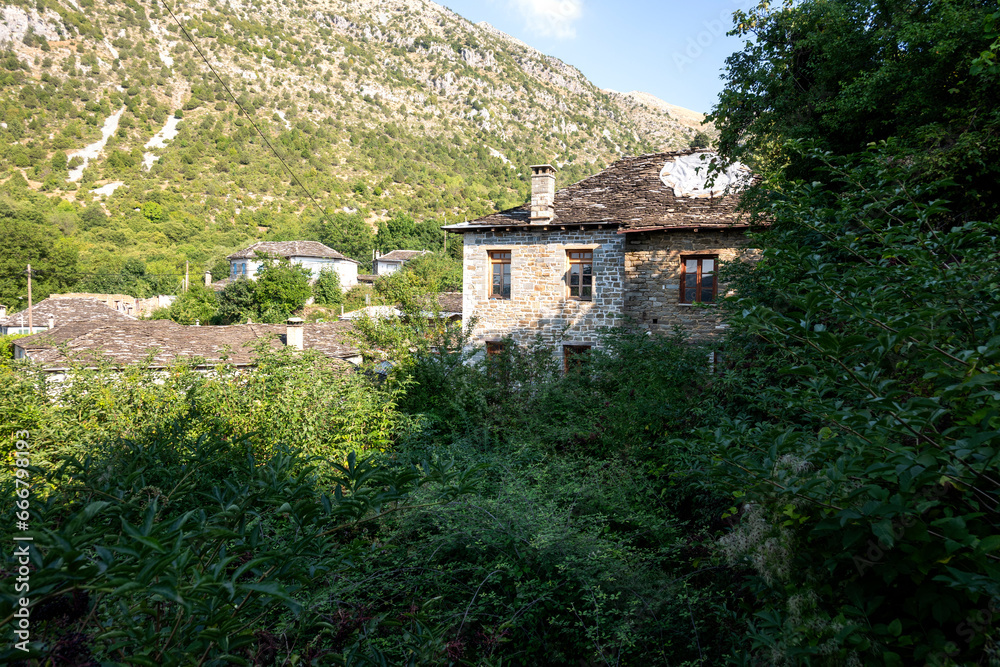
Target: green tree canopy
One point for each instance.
(281, 288)
(29, 239)
(198, 304)
(327, 290)
(844, 73)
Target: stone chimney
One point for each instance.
(294, 333)
(543, 192)
(3, 311)
(208, 279)
(52, 322)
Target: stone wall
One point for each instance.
(539, 302)
(652, 279)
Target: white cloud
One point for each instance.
(550, 18)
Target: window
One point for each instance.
(573, 356)
(698, 282)
(500, 269)
(493, 348)
(581, 274)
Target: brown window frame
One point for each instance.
(571, 355)
(698, 288)
(494, 348)
(579, 258)
(500, 258)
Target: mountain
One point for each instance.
(115, 128)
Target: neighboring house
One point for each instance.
(129, 305)
(394, 261)
(642, 239)
(159, 343)
(60, 310)
(311, 255)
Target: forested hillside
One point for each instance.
(117, 132)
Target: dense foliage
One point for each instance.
(865, 458)
(186, 503)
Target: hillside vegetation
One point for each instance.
(379, 109)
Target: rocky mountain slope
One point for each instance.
(377, 107)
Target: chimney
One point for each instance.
(294, 333)
(52, 322)
(3, 311)
(543, 192)
(208, 279)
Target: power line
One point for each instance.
(249, 118)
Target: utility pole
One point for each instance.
(31, 329)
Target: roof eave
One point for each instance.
(537, 226)
(680, 228)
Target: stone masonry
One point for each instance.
(539, 303)
(652, 278)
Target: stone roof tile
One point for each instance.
(401, 255)
(629, 193)
(64, 311)
(163, 342)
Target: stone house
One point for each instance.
(640, 240)
(311, 255)
(394, 261)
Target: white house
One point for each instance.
(309, 254)
(394, 261)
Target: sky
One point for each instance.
(673, 49)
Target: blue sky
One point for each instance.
(672, 49)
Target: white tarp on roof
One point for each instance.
(689, 176)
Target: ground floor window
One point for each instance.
(574, 356)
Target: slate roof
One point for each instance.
(630, 194)
(401, 255)
(165, 342)
(449, 306)
(450, 302)
(289, 249)
(64, 311)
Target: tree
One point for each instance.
(847, 73)
(238, 302)
(700, 140)
(281, 289)
(438, 272)
(347, 233)
(28, 239)
(327, 290)
(197, 304)
(401, 232)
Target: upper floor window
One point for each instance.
(581, 274)
(500, 270)
(698, 283)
